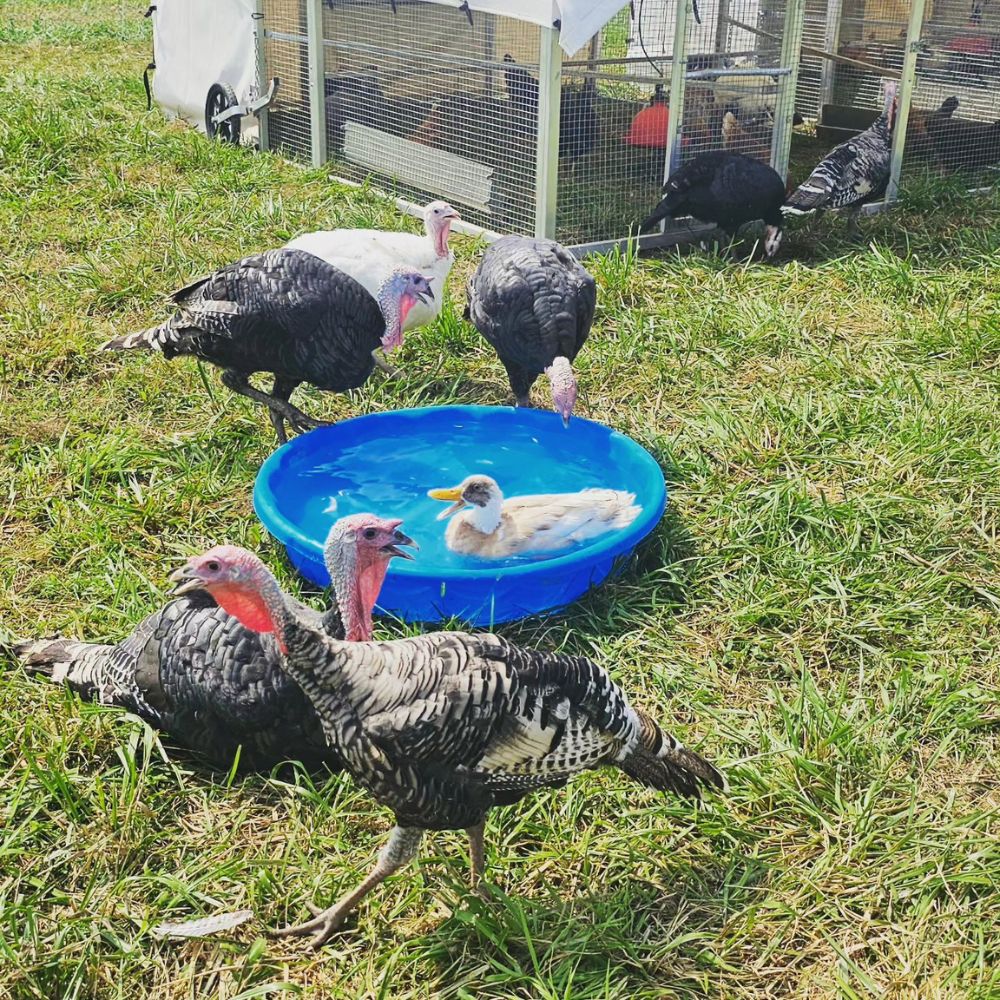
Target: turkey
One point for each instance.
(579, 124)
(960, 144)
(853, 173)
(288, 313)
(369, 256)
(534, 302)
(213, 685)
(727, 189)
(442, 727)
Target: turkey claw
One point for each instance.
(324, 924)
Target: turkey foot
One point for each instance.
(277, 402)
(321, 928)
(383, 365)
(399, 849)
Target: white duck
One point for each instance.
(493, 528)
(370, 255)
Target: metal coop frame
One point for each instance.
(479, 104)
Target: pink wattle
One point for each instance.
(368, 583)
(441, 241)
(246, 606)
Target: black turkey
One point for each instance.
(534, 302)
(288, 313)
(215, 686)
(726, 189)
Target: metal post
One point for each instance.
(260, 41)
(905, 97)
(317, 80)
(547, 157)
(593, 56)
(678, 68)
(784, 101)
(831, 42)
(722, 27)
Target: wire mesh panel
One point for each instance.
(612, 136)
(734, 71)
(819, 33)
(436, 103)
(956, 99)
(286, 57)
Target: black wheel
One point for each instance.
(220, 97)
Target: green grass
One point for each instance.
(818, 610)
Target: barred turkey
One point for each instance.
(534, 302)
(288, 313)
(215, 686)
(726, 189)
(443, 727)
(854, 173)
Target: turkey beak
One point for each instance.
(453, 215)
(187, 580)
(455, 494)
(428, 295)
(398, 538)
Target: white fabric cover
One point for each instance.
(197, 43)
(580, 19)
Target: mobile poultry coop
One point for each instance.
(946, 54)
(553, 117)
(206, 65)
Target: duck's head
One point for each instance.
(478, 491)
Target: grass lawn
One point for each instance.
(818, 610)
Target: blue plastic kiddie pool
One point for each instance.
(386, 462)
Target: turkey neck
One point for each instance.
(439, 238)
(357, 581)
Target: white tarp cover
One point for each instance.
(197, 43)
(580, 19)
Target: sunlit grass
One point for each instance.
(817, 611)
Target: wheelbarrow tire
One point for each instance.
(220, 97)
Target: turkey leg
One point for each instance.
(477, 857)
(853, 229)
(399, 849)
(281, 409)
(382, 365)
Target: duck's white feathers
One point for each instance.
(545, 523)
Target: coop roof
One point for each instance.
(578, 20)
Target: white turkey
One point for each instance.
(370, 255)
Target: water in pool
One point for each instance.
(389, 474)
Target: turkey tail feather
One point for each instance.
(662, 762)
(63, 661)
(143, 340)
(805, 198)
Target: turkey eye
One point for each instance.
(369, 532)
(212, 567)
